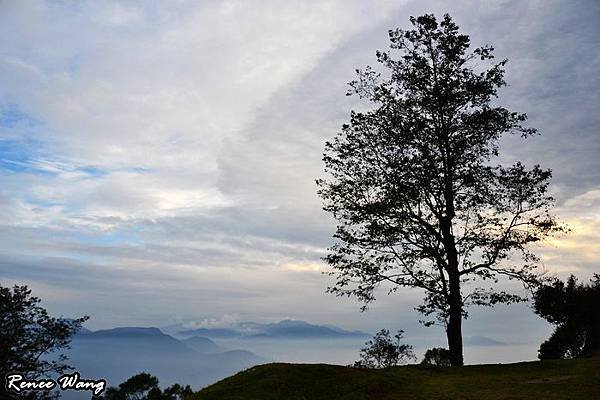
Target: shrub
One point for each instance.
(437, 356)
(384, 351)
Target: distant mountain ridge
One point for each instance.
(286, 329)
(482, 341)
(203, 345)
(119, 353)
(125, 331)
(211, 332)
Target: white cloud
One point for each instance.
(158, 87)
(578, 251)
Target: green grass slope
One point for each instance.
(556, 379)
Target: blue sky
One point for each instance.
(157, 159)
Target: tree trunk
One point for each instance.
(454, 328)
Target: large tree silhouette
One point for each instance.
(418, 201)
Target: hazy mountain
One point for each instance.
(286, 329)
(482, 341)
(83, 330)
(203, 345)
(212, 332)
(304, 330)
(117, 354)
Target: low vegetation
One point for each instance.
(145, 387)
(437, 356)
(550, 379)
(383, 351)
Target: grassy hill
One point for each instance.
(556, 379)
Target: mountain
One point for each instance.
(120, 343)
(482, 341)
(83, 331)
(127, 331)
(286, 329)
(202, 345)
(117, 354)
(304, 330)
(212, 332)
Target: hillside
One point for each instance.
(557, 379)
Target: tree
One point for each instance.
(30, 340)
(144, 386)
(138, 387)
(573, 308)
(412, 185)
(437, 356)
(383, 352)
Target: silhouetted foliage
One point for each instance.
(575, 310)
(418, 200)
(144, 386)
(30, 340)
(437, 356)
(384, 351)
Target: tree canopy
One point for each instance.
(31, 340)
(414, 188)
(144, 386)
(436, 356)
(574, 309)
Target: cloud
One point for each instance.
(576, 252)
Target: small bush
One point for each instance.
(384, 351)
(437, 356)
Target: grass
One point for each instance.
(547, 380)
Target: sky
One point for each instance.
(157, 159)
